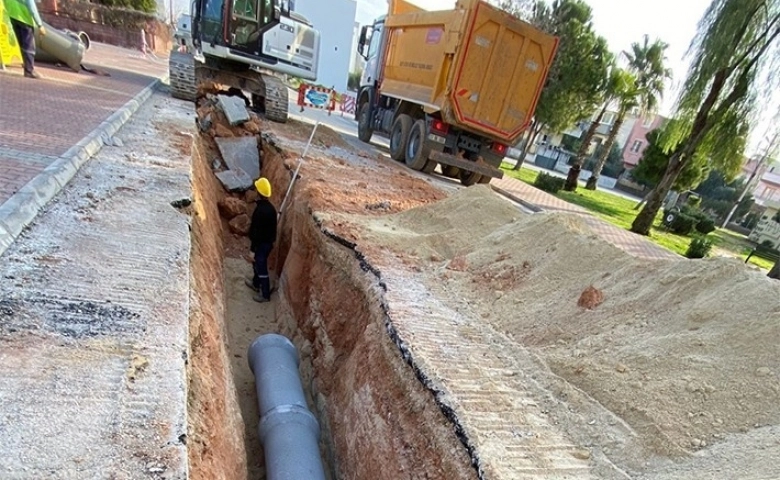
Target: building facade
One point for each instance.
(767, 232)
(603, 129)
(335, 20)
(767, 189)
(637, 140)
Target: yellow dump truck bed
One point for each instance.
(480, 67)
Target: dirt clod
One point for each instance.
(240, 225)
(591, 298)
(231, 207)
(222, 131)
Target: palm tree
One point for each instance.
(611, 85)
(646, 65)
(626, 95)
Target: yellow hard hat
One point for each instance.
(263, 187)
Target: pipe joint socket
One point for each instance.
(288, 430)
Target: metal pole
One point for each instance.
(298, 168)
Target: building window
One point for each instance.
(608, 118)
(636, 146)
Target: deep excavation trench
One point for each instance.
(378, 419)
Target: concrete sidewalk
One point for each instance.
(50, 127)
(539, 200)
(94, 315)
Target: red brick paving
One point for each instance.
(41, 119)
(629, 242)
(13, 174)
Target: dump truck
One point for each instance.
(454, 88)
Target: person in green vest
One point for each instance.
(24, 18)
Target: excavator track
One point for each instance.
(186, 76)
(181, 68)
(276, 98)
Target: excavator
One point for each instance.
(245, 45)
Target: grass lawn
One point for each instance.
(620, 212)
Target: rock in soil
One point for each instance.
(240, 225)
(230, 207)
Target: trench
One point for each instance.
(378, 418)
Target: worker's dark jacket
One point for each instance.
(263, 227)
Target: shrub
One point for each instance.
(699, 248)
(548, 183)
(705, 225)
(353, 81)
(683, 224)
(693, 201)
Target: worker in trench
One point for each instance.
(262, 233)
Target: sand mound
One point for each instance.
(443, 229)
(685, 352)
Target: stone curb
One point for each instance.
(515, 198)
(21, 209)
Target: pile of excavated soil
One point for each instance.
(335, 176)
(685, 352)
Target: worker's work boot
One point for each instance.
(251, 285)
(32, 74)
(259, 298)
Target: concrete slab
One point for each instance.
(235, 180)
(241, 153)
(234, 109)
(94, 313)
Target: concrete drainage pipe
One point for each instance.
(288, 430)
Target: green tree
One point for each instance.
(719, 195)
(651, 167)
(717, 98)
(571, 92)
(522, 9)
(146, 6)
(353, 81)
(646, 65)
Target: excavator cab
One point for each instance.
(262, 33)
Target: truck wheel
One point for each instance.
(364, 123)
(449, 171)
(429, 167)
(485, 179)
(417, 150)
(399, 136)
(468, 179)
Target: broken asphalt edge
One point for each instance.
(20, 210)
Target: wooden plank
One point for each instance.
(463, 164)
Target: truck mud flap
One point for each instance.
(463, 164)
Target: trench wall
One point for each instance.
(382, 421)
(215, 438)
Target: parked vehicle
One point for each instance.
(244, 44)
(454, 87)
